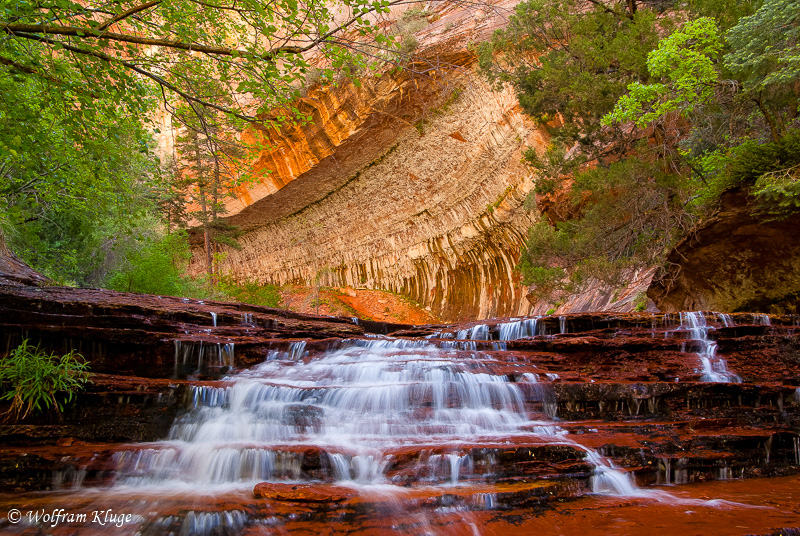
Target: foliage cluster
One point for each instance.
(34, 380)
(248, 291)
(653, 110)
(84, 86)
(157, 267)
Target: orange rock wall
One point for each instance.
(412, 183)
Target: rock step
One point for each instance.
(704, 449)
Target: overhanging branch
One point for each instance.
(158, 79)
(38, 31)
(128, 13)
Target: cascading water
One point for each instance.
(355, 403)
(357, 406)
(415, 431)
(715, 368)
(475, 333)
(194, 356)
(518, 329)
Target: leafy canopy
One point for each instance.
(569, 60)
(765, 46)
(685, 61)
(130, 48)
(649, 125)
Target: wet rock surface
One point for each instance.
(152, 336)
(325, 425)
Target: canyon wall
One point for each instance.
(735, 261)
(411, 183)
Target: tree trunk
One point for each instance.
(3, 248)
(206, 235)
(774, 128)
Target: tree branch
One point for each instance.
(128, 13)
(159, 80)
(30, 70)
(607, 9)
(33, 31)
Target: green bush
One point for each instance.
(640, 303)
(155, 268)
(34, 380)
(250, 292)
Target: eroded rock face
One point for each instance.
(155, 336)
(15, 272)
(412, 184)
(735, 262)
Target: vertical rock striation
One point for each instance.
(412, 183)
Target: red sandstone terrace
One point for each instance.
(217, 418)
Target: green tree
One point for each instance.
(569, 60)
(132, 48)
(765, 57)
(71, 179)
(715, 110)
(758, 77)
(80, 80)
(685, 61)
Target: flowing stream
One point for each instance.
(381, 416)
(357, 405)
(714, 368)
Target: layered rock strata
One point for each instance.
(625, 386)
(413, 184)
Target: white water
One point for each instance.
(475, 333)
(517, 329)
(714, 368)
(356, 406)
(203, 354)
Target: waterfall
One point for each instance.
(727, 320)
(761, 319)
(714, 368)
(354, 406)
(517, 329)
(475, 333)
(204, 354)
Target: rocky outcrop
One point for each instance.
(623, 387)
(412, 183)
(155, 336)
(734, 262)
(15, 272)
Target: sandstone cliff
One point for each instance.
(412, 183)
(735, 261)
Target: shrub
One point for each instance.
(155, 268)
(39, 381)
(250, 292)
(640, 302)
